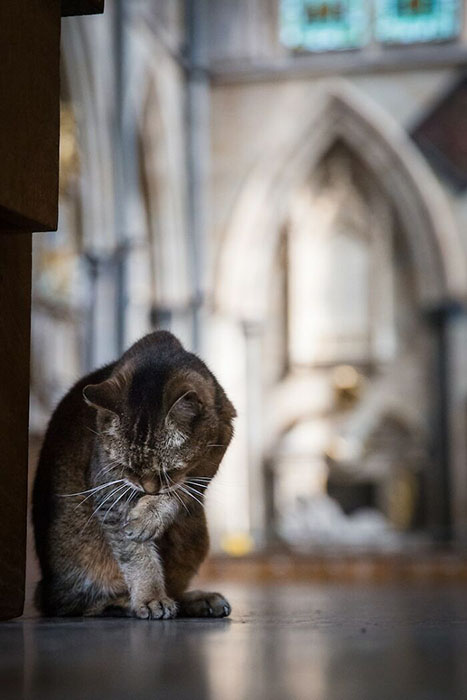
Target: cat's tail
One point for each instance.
(52, 605)
(39, 597)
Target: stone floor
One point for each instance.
(333, 642)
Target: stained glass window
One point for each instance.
(412, 21)
(317, 25)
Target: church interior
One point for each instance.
(282, 184)
(312, 251)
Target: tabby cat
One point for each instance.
(118, 504)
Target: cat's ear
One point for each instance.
(106, 395)
(186, 396)
(185, 408)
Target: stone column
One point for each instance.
(446, 479)
(254, 383)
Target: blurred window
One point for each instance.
(413, 21)
(316, 25)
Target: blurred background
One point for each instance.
(283, 185)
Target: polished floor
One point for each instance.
(333, 642)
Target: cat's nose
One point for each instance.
(150, 484)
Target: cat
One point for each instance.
(118, 500)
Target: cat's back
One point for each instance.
(65, 454)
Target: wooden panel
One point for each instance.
(29, 113)
(15, 306)
(82, 7)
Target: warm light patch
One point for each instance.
(345, 377)
(237, 544)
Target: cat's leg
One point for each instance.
(132, 542)
(183, 550)
(142, 570)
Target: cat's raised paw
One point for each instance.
(204, 604)
(142, 522)
(162, 609)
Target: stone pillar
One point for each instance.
(198, 149)
(456, 336)
(254, 383)
(446, 474)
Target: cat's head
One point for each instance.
(161, 414)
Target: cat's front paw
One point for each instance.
(204, 604)
(157, 609)
(142, 522)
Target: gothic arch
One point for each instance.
(338, 112)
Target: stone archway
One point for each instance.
(338, 113)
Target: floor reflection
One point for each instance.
(317, 642)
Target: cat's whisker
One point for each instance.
(99, 434)
(115, 491)
(213, 486)
(213, 445)
(164, 474)
(113, 462)
(129, 488)
(100, 472)
(132, 495)
(193, 490)
(84, 500)
(110, 495)
(173, 488)
(203, 484)
(180, 500)
(191, 495)
(168, 482)
(188, 493)
(195, 483)
(91, 430)
(96, 488)
(107, 467)
(201, 493)
(171, 484)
